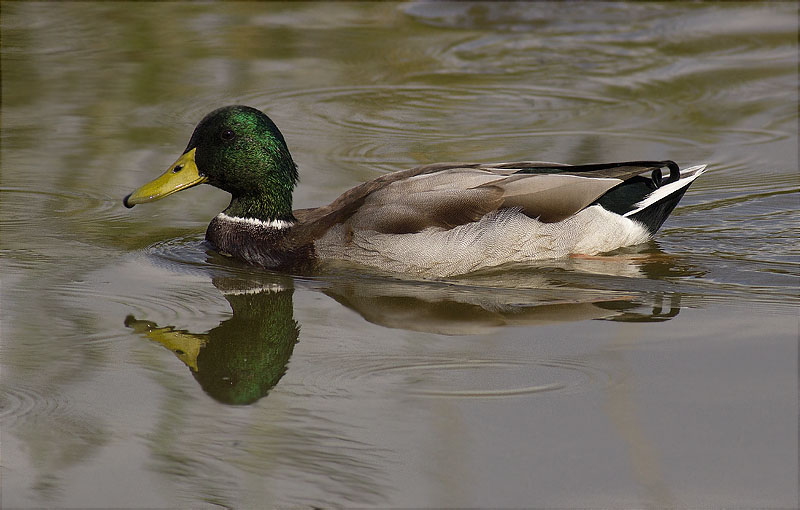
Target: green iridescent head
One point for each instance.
(237, 149)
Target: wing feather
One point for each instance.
(414, 212)
(552, 197)
(448, 194)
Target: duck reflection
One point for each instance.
(240, 360)
(472, 310)
(560, 291)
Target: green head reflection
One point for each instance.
(240, 360)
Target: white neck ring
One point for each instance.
(276, 224)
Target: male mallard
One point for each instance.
(442, 219)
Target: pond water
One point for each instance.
(142, 370)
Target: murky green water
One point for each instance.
(139, 369)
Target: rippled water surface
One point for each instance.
(141, 370)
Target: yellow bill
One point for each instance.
(186, 346)
(181, 175)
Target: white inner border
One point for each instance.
(669, 189)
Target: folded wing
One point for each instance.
(450, 194)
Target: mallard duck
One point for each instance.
(442, 219)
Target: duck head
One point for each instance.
(237, 149)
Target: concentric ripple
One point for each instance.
(19, 202)
(459, 377)
(19, 402)
(416, 111)
(188, 250)
(388, 127)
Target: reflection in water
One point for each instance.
(513, 296)
(243, 358)
(467, 311)
(240, 360)
(621, 408)
(659, 313)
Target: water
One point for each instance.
(140, 369)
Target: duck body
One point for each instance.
(434, 220)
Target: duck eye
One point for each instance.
(227, 135)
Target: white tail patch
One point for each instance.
(691, 174)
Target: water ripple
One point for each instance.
(427, 122)
(391, 109)
(190, 250)
(449, 377)
(62, 203)
(18, 402)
